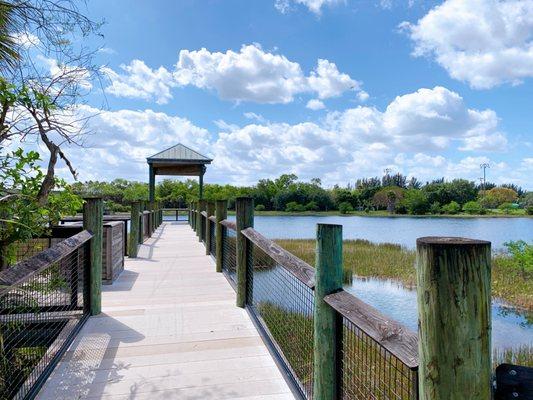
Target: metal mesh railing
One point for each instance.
(212, 238)
(202, 228)
(41, 308)
(370, 371)
(284, 307)
(229, 258)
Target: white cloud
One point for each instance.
(363, 96)
(140, 81)
(255, 117)
(26, 39)
(251, 74)
(314, 6)
(482, 42)
(315, 104)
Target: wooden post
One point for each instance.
(141, 223)
(244, 208)
(93, 221)
(210, 211)
(454, 321)
(134, 229)
(327, 325)
(221, 211)
(201, 226)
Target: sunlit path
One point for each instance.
(169, 330)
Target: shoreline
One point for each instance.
(379, 214)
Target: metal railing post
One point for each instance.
(93, 221)
(454, 318)
(221, 211)
(244, 208)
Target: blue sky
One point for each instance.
(429, 89)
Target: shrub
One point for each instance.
(260, 207)
(473, 207)
(529, 210)
(435, 208)
(293, 206)
(522, 254)
(345, 207)
(506, 207)
(452, 207)
(312, 206)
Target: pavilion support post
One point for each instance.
(93, 221)
(327, 324)
(201, 225)
(151, 182)
(244, 207)
(454, 318)
(134, 230)
(201, 185)
(210, 211)
(221, 212)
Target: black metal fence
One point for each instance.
(229, 258)
(44, 300)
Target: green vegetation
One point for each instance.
(512, 274)
(390, 195)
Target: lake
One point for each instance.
(400, 230)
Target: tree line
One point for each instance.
(394, 193)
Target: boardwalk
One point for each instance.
(169, 330)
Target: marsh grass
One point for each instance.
(392, 261)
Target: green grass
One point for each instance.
(391, 261)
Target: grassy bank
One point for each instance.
(383, 213)
(392, 261)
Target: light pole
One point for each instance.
(484, 166)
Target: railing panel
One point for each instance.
(284, 306)
(212, 238)
(229, 257)
(43, 302)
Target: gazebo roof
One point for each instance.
(179, 154)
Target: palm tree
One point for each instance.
(9, 54)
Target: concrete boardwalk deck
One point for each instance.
(169, 330)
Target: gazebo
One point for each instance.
(177, 160)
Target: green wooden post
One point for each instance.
(221, 212)
(454, 320)
(244, 208)
(134, 229)
(201, 226)
(93, 221)
(140, 237)
(327, 326)
(210, 211)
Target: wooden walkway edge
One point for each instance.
(169, 329)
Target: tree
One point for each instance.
(22, 215)
(9, 54)
(387, 198)
(416, 202)
(522, 253)
(495, 197)
(345, 208)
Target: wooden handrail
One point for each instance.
(213, 219)
(299, 268)
(25, 269)
(229, 224)
(204, 213)
(393, 336)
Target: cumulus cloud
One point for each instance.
(315, 104)
(140, 81)
(414, 134)
(314, 6)
(482, 42)
(251, 74)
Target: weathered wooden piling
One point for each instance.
(93, 221)
(210, 209)
(453, 278)
(221, 211)
(327, 326)
(202, 204)
(133, 241)
(244, 207)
